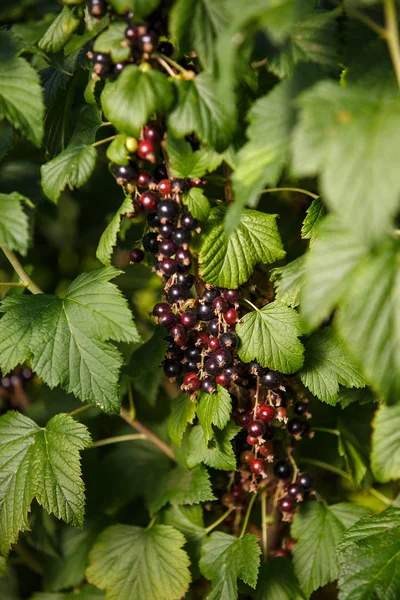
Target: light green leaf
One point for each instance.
(313, 40)
(385, 455)
(65, 340)
(328, 364)
(41, 463)
(59, 31)
(3, 567)
(14, 223)
(225, 558)
(197, 203)
(141, 8)
(368, 557)
(21, 98)
(260, 161)
(229, 261)
(214, 409)
(318, 529)
(109, 236)
(288, 281)
(332, 117)
(75, 164)
(195, 24)
(134, 97)
(117, 151)
(369, 317)
(270, 336)
(314, 216)
(277, 581)
(199, 111)
(131, 562)
(330, 264)
(183, 411)
(189, 521)
(182, 486)
(184, 162)
(353, 453)
(218, 453)
(111, 42)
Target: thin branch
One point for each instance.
(218, 521)
(13, 284)
(326, 466)
(172, 62)
(327, 430)
(290, 189)
(363, 18)
(152, 437)
(380, 496)
(76, 411)
(119, 438)
(29, 559)
(251, 304)
(23, 275)
(166, 66)
(103, 141)
(247, 517)
(264, 527)
(392, 35)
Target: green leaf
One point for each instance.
(314, 216)
(270, 336)
(68, 569)
(109, 236)
(368, 557)
(117, 151)
(14, 223)
(189, 521)
(385, 455)
(288, 281)
(65, 340)
(59, 31)
(328, 364)
(111, 42)
(360, 396)
(141, 8)
(199, 111)
(214, 409)
(195, 24)
(330, 264)
(183, 411)
(353, 453)
(314, 39)
(318, 529)
(229, 261)
(197, 203)
(134, 97)
(277, 581)
(145, 365)
(87, 592)
(182, 486)
(225, 558)
(218, 453)
(131, 562)
(34, 464)
(6, 138)
(261, 160)
(185, 163)
(332, 117)
(21, 97)
(369, 317)
(75, 164)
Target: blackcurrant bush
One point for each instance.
(188, 222)
(213, 326)
(167, 248)
(257, 465)
(188, 319)
(149, 201)
(208, 385)
(181, 236)
(283, 469)
(211, 367)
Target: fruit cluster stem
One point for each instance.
(392, 35)
(152, 437)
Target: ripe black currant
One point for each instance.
(150, 242)
(219, 304)
(295, 490)
(166, 230)
(272, 380)
(188, 319)
(168, 266)
(124, 173)
(228, 340)
(231, 296)
(165, 48)
(172, 368)
(257, 465)
(287, 504)
(188, 222)
(178, 186)
(144, 179)
(204, 312)
(97, 8)
(181, 236)
(136, 255)
(160, 172)
(167, 209)
(213, 326)
(153, 219)
(191, 366)
(223, 357)
(306, 481)
(167, 248)
(186, 279)
(149, 201)
(177, 293)
(295, 426)
(160, 309)
(254, 368)
(256, 428)
(150, 132)
(167, 320)
(283, 469)
(211, 366)
(300, 408)
(183, 257)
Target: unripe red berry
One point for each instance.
(257, 465)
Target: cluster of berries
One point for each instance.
(142, 39)
(12, 392)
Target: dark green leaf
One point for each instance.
(228, 261)
(354, 456)
(385, 456)
(368, 557)
(288, 281)
(111, 42)
(270, 336)
(14, 224)
(277, 581)
(218, 453)
(110, 234)
(183, 411)
(328, 364)
(134, 97)
(213, 409)
(59, 31)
